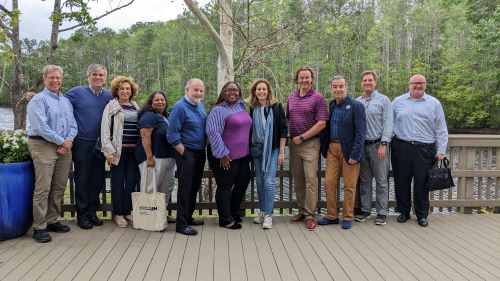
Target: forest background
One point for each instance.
(454, 43)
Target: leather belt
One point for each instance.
(416, 143)
(36, 138)
(372, 141)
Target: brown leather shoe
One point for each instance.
(298, 218)
(310, 224)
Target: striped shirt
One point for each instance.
(228, 130)
(130, 131)
(304, 112)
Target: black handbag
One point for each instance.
(98, 145)
(439, 176)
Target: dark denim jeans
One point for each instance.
(89, 177)
(124, 179)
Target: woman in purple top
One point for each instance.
(228, 130)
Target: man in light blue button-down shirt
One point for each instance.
(378, 135)
(52, 128)
(420, 137)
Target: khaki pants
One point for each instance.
(304, 168)
(335, 163)
(51, 177)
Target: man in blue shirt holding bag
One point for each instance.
(420, 138)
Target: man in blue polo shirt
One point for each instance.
(186, 134)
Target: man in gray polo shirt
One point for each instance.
(376, 164)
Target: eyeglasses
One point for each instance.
(232, 91)
(418, 83)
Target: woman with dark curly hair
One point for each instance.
(228, 130)
(153, 149)
(119, 136)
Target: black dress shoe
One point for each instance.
(196, 222)
(188, 231)
(403, 218)
(41, 236)
(57, 227)
(423, 222)
(237, 219)
(84, 223)
(95, 220)
(171, 219)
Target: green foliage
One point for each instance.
(13, 146)
(454, 43)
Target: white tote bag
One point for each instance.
(149, 209)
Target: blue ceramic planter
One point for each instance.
(17, 181)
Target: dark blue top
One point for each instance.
(159, 145)
(337, 112)
(87, 109)
(187, 125)
(351, 128)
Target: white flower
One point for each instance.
(6, 145)
(15, 146)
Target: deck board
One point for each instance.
(453, 247)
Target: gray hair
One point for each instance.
(191, 81)
(337, 77)
(50, 67)
(94, 67)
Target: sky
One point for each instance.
(35, 14)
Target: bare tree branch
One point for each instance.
(5, 10)
(97, 18)
(8, 30)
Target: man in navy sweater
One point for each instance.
(186, 133)
(88, 104)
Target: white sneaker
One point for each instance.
(259, 219)
(268, 222)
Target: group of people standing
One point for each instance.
(353, 136)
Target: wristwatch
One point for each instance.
(301, 137)
(383, 143)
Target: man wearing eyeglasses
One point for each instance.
(420, 137)
(378, 134)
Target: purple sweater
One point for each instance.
(228, 130)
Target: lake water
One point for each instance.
(6, 118)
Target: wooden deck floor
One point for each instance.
(453, 247)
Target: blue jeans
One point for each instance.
(266, 182)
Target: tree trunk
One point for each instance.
(17, 102)
(225, 69)
(223, 42)
(54, 33)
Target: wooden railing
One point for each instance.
(475, 168)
